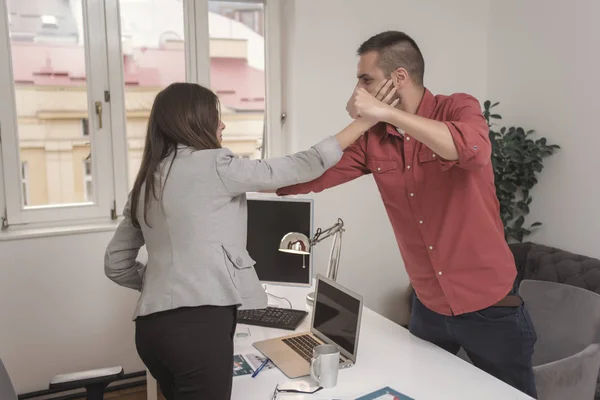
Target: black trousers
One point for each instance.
(189, 351)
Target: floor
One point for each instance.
(138, 393)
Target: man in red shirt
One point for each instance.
(430, 157)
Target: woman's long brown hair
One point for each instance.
(182, 114)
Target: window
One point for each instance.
(55, 83)
(74, 125)
(49, 21)
(153, 54)
(25, 183)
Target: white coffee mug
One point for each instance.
(325, 365)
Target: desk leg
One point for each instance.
(151, 386)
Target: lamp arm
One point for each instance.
(324, 234)
(334, 256)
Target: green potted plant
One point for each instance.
(517, 160)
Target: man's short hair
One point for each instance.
(396, 50)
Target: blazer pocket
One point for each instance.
(236, 260)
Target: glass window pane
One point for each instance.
(153, 57)
(88, 168)
(89, 190)
(85, 127)
(237, 71)
(48, 61)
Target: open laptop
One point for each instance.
(336, 320)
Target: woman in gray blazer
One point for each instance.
(188, 207)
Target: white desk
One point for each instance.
(388, 355)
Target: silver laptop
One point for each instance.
(336, 320)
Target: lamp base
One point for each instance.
(310, 299)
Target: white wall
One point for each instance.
(321, 72)
(59, 313)
(543, 64)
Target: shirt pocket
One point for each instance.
(427, 155)
(238, 263)
(380, 166)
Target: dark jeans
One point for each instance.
(498, 340)
(189, 351)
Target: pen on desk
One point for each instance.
(261, 367)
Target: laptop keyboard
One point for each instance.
(304, 345)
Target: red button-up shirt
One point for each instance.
(445, 214)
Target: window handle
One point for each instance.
(98, 105)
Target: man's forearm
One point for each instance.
(433, 134)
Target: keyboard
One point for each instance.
(271, 317)
(304, 345)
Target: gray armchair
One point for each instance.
(93, 381)
(567, 354)
(7, 391)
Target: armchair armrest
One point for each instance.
(77, 380)
(574, 377)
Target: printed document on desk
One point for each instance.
(241, 366)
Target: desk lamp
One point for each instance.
(298, 243)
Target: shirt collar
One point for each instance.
(424, 110)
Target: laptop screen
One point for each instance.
(336, 316)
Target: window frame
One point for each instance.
(104, 71)
(96, 76)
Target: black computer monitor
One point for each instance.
(269, 219)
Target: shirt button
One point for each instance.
(412, 195)
(239, 261)
(421, 222)
(408, 167)
(475, 147)
(440, 273)
(434, 155)
(407, 138)
(378, 169)
(430, 247)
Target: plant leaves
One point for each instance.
(520, 221)
(517, 159)
(520, 235)
(508, 186)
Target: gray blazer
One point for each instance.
(196, 241)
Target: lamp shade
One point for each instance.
(295, 243)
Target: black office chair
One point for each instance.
(94, 382)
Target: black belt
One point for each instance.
(509, 301)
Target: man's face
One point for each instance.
(369, 75)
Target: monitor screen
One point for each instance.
(336, 316)
(269, 219)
